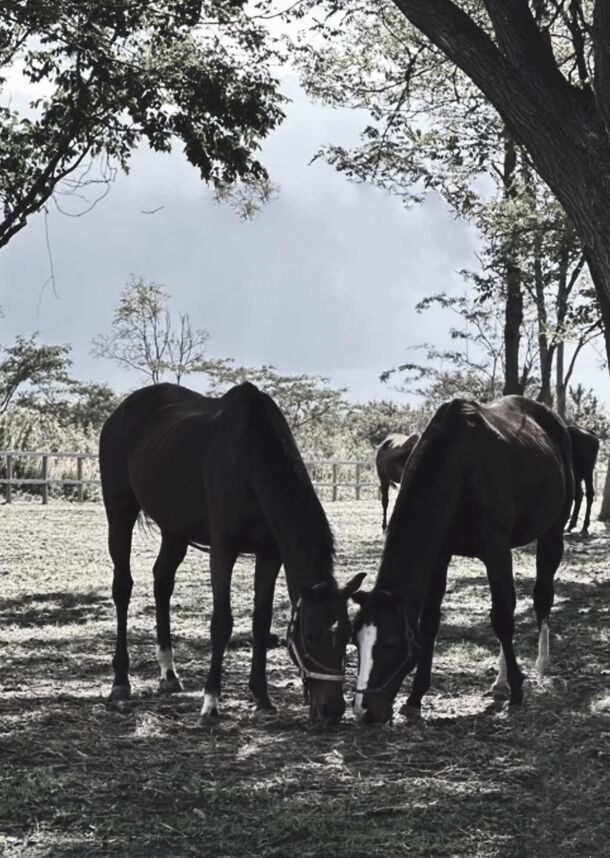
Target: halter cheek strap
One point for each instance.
(301, 658)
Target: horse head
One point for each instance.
(388, 649)
(317, 638)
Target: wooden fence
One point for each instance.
(334, 480)
(331, 478)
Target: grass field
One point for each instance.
(80, 777)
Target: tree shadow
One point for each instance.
(55, 608)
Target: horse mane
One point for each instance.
(281, 483)
(423, 501)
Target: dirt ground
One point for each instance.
(81, 777)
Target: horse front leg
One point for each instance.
(265, 575)
(499, 565)
(384, 486)
(222, 560)
(170, 557)
(429, 624)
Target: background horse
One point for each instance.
(224, 472)
(585, 447)
(390, 460)
(481, 480)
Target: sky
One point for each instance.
(323, 281)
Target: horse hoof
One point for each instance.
(500, 691)
(171, 685)
(265, 706)
(411, 713)
(120, 692)
(210, 717)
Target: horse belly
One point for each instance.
(173, 499)
(539, 511)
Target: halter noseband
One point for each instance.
(300, 659)
(411, 646)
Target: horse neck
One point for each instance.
(418, 534)
(295, 516)
(305, 568)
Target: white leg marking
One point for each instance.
(542, 662)
(165, 657)
(501, 685)
(210, 702)
(366, 641)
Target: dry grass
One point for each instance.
(82, 778)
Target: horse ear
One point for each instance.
(359, 597)
(352, 586)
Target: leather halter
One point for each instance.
(300, 659)
(411, 646)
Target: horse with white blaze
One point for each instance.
(482, 480)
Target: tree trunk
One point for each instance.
(560, 388)
(512, 330)
(545, 351)
(513, 314)
(604, 513)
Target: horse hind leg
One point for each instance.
(577, 503)
(170, 557)
(590, 494)
(122, 514)
(498, 562)
(549, 552)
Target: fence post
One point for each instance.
(45, 477)
(358, 478)
(9, 477)
(79, 477)
(335, 472)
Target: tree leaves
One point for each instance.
(113, 75)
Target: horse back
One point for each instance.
(521, 465)
(392, 455)
(585, 447)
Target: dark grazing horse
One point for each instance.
(481, 480)
(226, 473)
(585, 447)
(390, 460)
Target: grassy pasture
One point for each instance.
(80, 777)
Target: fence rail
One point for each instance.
(332, 475)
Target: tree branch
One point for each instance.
(545, 113)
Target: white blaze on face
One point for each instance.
(165, 657)
(542, 662)
(366, 638)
